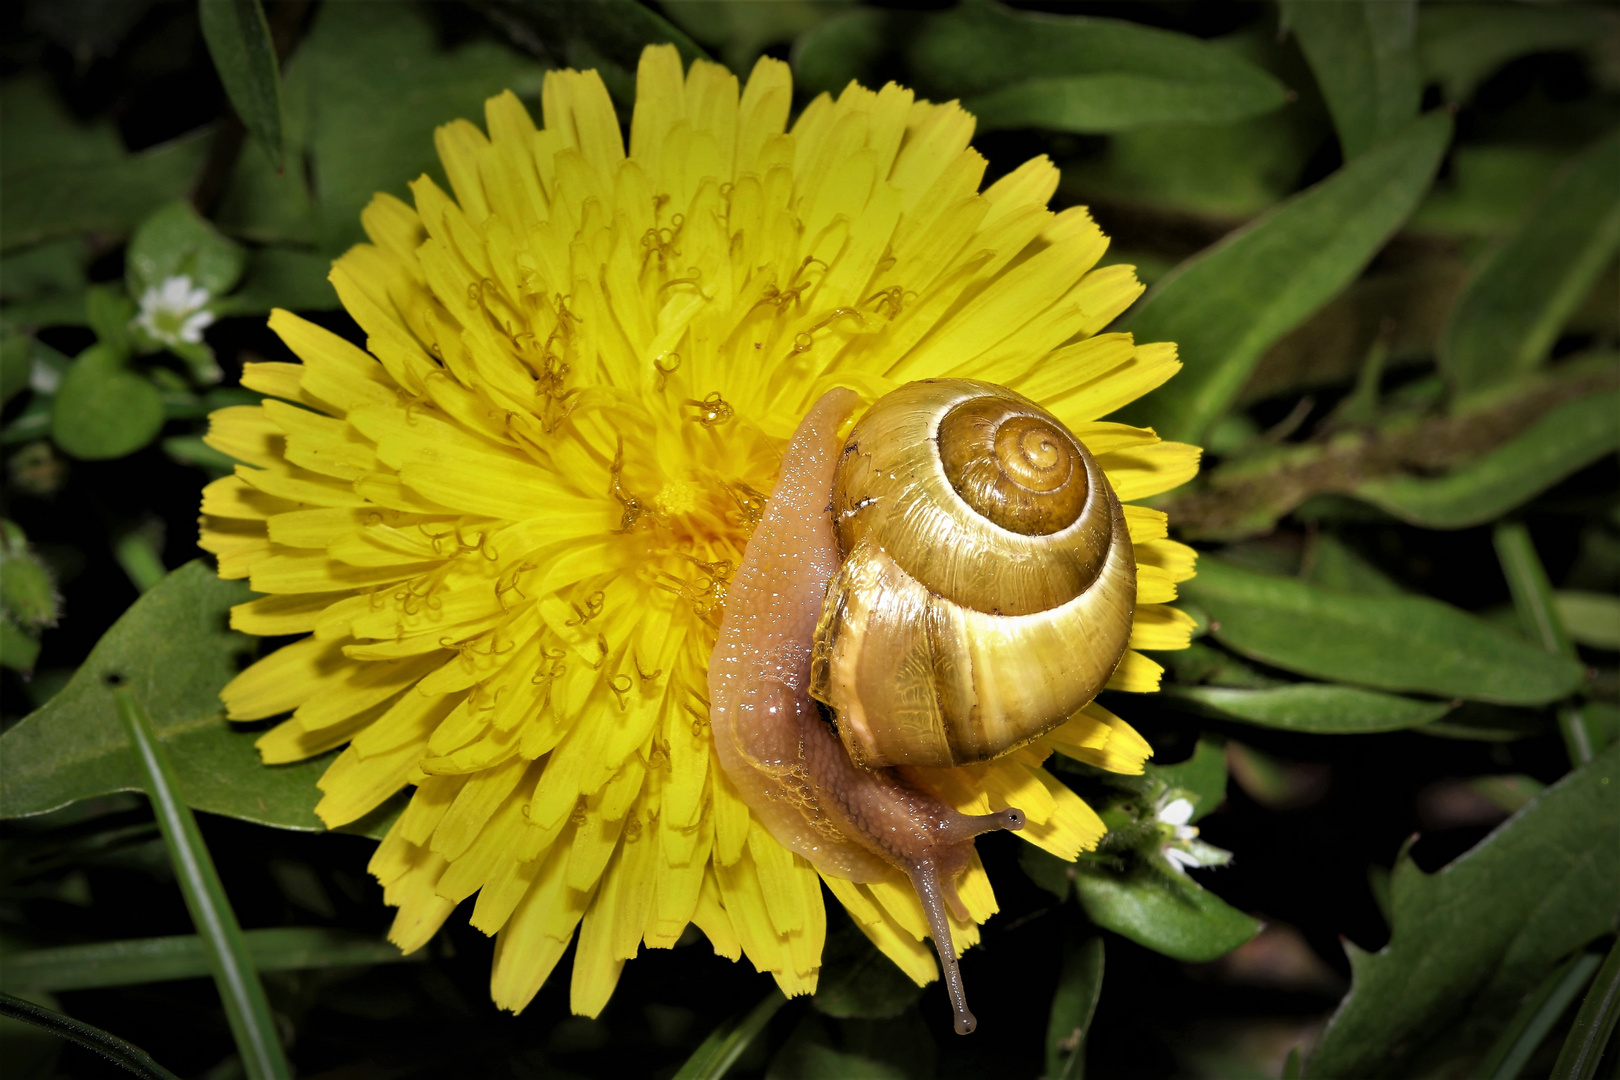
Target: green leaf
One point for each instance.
(1083, 74)
(1568, 438)
(1319, 708)
(150, 960)
(740, 32)
(378, 85)
(1073, 1006)
(1225, 306)
(239, 42)
(176, 241)
(1594, 1024)
(102, 409)
(1483, 931)
(1462, 44)
(1590, 618)
(1487, 190)
(1402, 643)
(62, 197)
(1203, 774)
(18, 648)
(1336, 565)
(126, 1055)
(1510, 312)
(246, 1008)
(15, 366)
(859, 981)
(725, 1044)
(173, 648)
(844, 47)
(108, 309)
(1180, 919)
(1362, 54)
(285, 278)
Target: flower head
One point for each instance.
(508, 524)
(175, 312)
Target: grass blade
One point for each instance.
(159, 959)
(234, 974)
(726, 1043)
(1536, 1017)
(1594, 1024)
(111, 1047)
(1533, 597)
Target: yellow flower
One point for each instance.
(507, 526)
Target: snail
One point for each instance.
(951, 581)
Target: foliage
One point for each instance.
(1383, 236)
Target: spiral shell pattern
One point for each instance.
(988, 582)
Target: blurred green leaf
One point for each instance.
(1480, 933)
(1320, 708)
(1590, 618)
(1362, 54)
(177, 241)
(174, 649)
(1082, 74)
(716, 1054)
(285, 278)
(62, 197)
(740, 32)
(1463, 44)
(15, 365)
(859, 981)
(43, 285)
(607, 35)
(1073, 1006)
(1567, 439)
(18, 648)
(103, 410)
(41, 132)
(1203, 774)
(246, 1008)
(1510, 312)
(108, 309)
(1228, 304)
(27, 591)
(1486, 189)
(1588, 1037)
(149, 960)
(1336, 565)
(239, 42)
(1404, 643)
(377, 85)
(827, 56)
(1180, 919)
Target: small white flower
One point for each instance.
(1182, 848)
(175, 312)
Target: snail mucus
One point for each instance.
(951, 581)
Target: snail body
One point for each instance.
(952, 580)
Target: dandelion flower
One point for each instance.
(174, 312)
(507, 525)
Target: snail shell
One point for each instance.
(988, 582)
